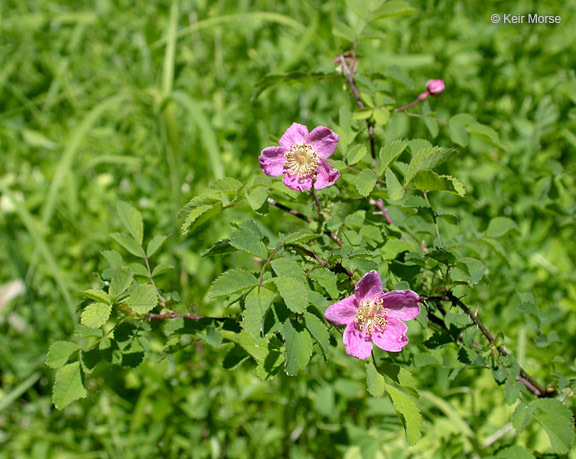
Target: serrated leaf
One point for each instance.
(128, 243)
(362, 114)
(300, 236)
(132, 220)
(344, 31)
(328, 280)
(59, 353)
(161, 269)
(232, 281)
(430, 181)
(457, 128)
(298, 347)
(155, 244)
(138, 269)
(317, 329)
(222, 247)
(285, 267)
(142, 299)
(499, 226)
(356, 153)
(425, 158)
(113, 258)
(97, 295)
(557, 421)
(521, 417)
(365, 182)
(248, 241)
(392, 9)
(293, 292)
(407, 407)
(375, 381)
(197, 211)
(389, 153)
(381, 115)
(255, 307)
(394, 187)
(121, 280)
(485, 133)
(68, 385)
(95, 315)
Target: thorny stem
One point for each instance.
(350, 78)
(318, 206)
(420, 98)
(528, 381)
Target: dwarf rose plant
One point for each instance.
(274, 295)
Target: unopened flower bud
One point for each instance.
(435, 87)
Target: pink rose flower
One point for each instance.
(370, 315)
(302, 157)
(435, 87)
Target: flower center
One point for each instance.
(371, 315)
(302, 160)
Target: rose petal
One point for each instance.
(369, 287)
(326, 175)
(272, 161)
(295, 135)
(324, 141)
(392, 337)
(296, 183)
(343, 312)
(403, 304)
(356, 342)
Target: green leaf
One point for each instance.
(389, 153)
(161, 269)
(425, 158)
(298, 347)
(457, 128)
(128, 243)
(328, 280)
(293, 292)
(430, 181)
(394, 187)
(344, 31)
(121, 280)
(375, 381)
(485, 133)
(68, 385)
(407, 407)
(155, 244)
(557, 421)
(317, 329)
(392, 9)
(255, 307)
(362, 114)
(132, 220)
(142, 299)
(356, 153)
(59, 353)
(98, 295)
(232, 281)
(248, 241)
(521, 417)
(499, 226)
(198, 210)
(365, 182)
(95, 315)
(285, 267)
(381, 115)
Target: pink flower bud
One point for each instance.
(435, 87)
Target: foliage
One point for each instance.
(174, 295)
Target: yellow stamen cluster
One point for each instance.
(302, 160)
(371, 315)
